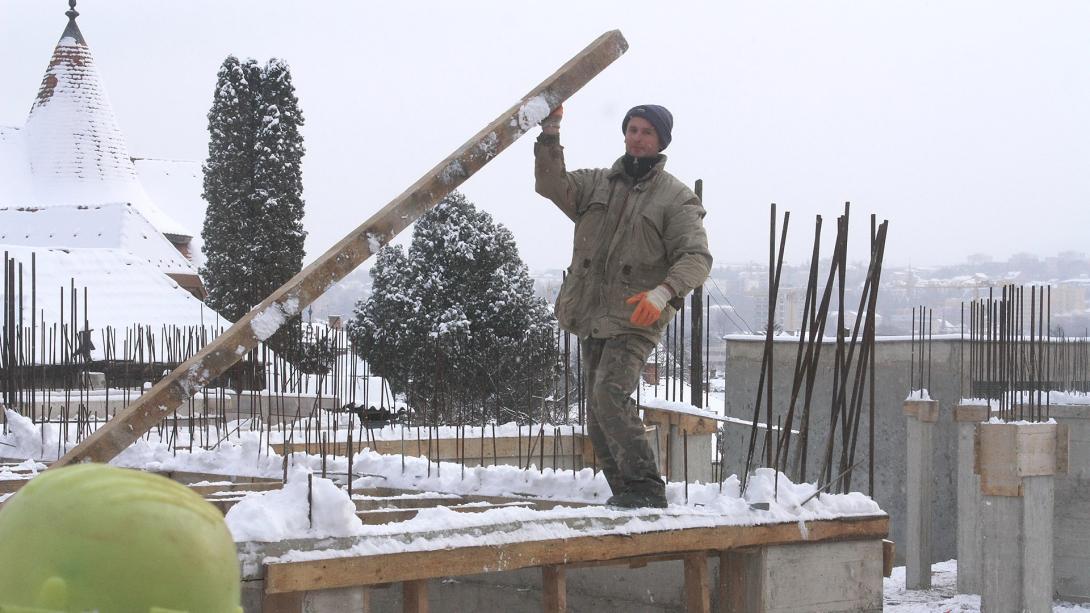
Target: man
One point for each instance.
(640, 247)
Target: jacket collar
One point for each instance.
(617, 170)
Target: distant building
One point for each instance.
(73, 199)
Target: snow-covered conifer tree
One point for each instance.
(253, 230)
(455, 323)
(228, 188)
(278, 234)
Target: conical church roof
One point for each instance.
(76, 152)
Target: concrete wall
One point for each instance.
(892, 359)
(1071, 528)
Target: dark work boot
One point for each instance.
(635, 499)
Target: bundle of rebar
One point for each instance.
(1014, 358)
(853, 365)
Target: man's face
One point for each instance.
(640, 138)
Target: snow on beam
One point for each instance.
(349, 571)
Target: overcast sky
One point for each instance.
(963, 123)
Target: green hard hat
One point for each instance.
(97, 538)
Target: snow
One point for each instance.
(268, 321)
(452, 172)
(1020, 422)
(662, 404)
(533, 111)
(71, 150)
(489, 145)
(374, 242)
(70, 193)
(279, 515)
(125, 289)
(16, 182)
(304, 508)
(1062, 398)
(920, 394)
(175, 187)
(116, 225)
(707, 506)
(943, 596)
(272, 317)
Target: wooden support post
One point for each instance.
(697, 588)
(733, 569)
(283, 603)
(889, 552)
(554, 589)
(415, 596)
(342, 258)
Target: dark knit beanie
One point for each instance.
(658, 116)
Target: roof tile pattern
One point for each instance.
(75, 146)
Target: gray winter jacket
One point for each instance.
(630, 236)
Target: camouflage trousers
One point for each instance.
(613, 367)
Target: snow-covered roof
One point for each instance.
(71, 150)
(175, 186)
(71, 197)
(106, 226)
(15, 182)
(123, 289)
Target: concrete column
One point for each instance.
(832, 577)
(1017, 463)
(921, 416)
(966, 418)
(1071, 576)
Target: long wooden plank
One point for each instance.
(407, 566)
(299, 292)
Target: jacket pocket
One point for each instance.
(588, 230)
(649, 231)
(570, 307)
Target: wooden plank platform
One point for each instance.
(363, 570)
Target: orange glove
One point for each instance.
(551, 124)
(649, 305)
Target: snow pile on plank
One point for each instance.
(308, 508)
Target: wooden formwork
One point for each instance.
(285, 582)
(542, 448)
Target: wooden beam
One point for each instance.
(693, 424)
(403, 566)
(342, 258)
(208, 490)
(447, 448)
(697, 587)
(415, 596)
(554, 589)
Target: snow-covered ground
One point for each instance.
(943, 596)
(275, 516)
